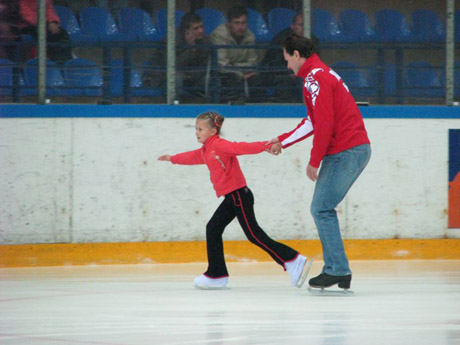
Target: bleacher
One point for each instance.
(384, 58)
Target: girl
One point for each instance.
(227, 178)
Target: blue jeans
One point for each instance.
(337, 174)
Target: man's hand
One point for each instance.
(190, 37)
(274, 146)
(312, 173)
(248, 75)
(54, 28)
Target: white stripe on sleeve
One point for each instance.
(300, 133)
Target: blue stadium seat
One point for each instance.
(279, 18)
(356, 26)
(137, 24)
(392, 26)
(355, 78)
(83, 77)
(117, 81)
(70, 23)
(98, 23)
(325, 27)
(211, 18)
(161, 18)
(54, 80)
(422, 80)
(6, 77)
(258, 26)
(427, 26)
(388, 81)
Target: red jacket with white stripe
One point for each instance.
(220, 157)
(333, 115)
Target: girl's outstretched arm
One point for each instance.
(165, 158)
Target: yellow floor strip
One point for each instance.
(33, 255)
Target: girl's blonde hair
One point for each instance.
(213, 119)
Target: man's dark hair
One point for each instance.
(236, 12)
(188, 19)
(294, 18)
(303, 45)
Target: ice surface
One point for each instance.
(394, 302)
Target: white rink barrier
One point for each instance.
(78, 180)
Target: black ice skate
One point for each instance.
(325, 280)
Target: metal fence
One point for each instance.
(386, 56)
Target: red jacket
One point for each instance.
(220, 157)
(29, 12)
(333, 115)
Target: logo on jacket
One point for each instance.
(312, 85)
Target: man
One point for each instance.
(276, 76)
(192, 56)
(28, 24)
(274, 56)
(340, 145)
(235, 32)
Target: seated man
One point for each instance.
(28, 21)
(235, 32)
(289, 90)
(192, 57)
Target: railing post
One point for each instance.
(450, 51)
(41, 66)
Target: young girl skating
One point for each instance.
(228, 180)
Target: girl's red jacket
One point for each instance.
(220, 157)
(333, 115)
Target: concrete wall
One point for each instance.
(97, 180)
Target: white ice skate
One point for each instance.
(299, 269)
(206, 283)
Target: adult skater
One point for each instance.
(340, 145)
(228, 180)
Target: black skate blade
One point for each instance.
(330, 292)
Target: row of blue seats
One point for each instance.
(78, 77)
(96, 24)
(419, 79)
(81, 77)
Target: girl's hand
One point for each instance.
(274, 146)
(165, 158)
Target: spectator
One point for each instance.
(277, 74)
(28, 21)
(235, 32)
(8, 15)
(192, 57)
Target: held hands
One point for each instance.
(273, 147)
(165, 158)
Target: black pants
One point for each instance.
(58, 54)
(239, 204)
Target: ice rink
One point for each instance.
(394, 302)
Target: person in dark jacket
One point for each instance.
(288, 90)
(192, 58)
